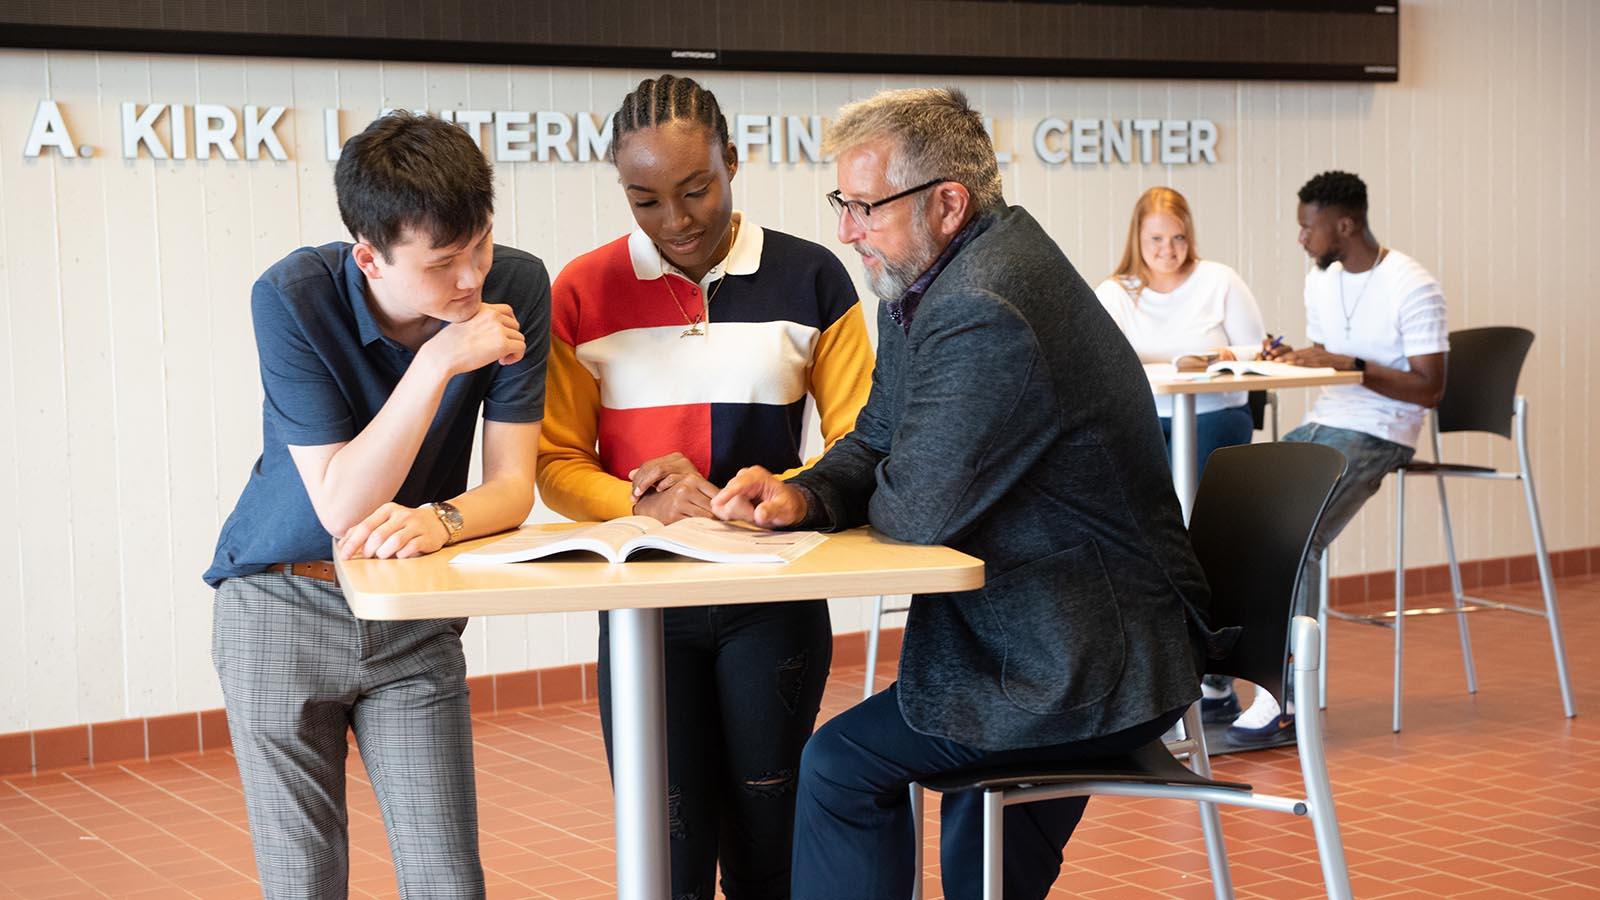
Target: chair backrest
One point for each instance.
(1251, 525)
(1480, 381)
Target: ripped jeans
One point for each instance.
(744, 685)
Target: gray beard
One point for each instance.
(892, 280)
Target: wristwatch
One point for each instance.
(1358, 363)
(451, 517)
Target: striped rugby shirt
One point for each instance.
(625, 386)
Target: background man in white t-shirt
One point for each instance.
(1371, 309)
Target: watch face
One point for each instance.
(450, 516)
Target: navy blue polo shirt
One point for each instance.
(327, 369)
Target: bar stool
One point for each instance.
(1251, 550)
(1479, 396)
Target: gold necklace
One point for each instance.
(695, 329)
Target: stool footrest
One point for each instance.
(1386, 618)
(1151, 764)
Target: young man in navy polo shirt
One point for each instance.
(376, 358)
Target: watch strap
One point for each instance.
(450, 518)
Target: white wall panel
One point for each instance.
(38, 375)
(141, 523)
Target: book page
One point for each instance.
(1195, 362)
(716, 541)
(1162, 372)
(618, 532)
(1264, 367)
(603, 538)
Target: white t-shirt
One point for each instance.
(1212, 308)
(1388, 313)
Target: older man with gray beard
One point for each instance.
(1009, 419)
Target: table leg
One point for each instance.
(1185, 465)
(639, 750)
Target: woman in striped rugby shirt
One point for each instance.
(681, 353)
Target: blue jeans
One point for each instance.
(853, 828)
(1219, 428)
(1368, 460)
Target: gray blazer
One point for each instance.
(1015, 423)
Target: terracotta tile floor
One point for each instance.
(1493, 796)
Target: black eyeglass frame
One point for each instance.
(841, 205)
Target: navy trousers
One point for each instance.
(853, 828)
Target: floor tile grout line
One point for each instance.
(234, 825)
(108, 846)
(159, 827)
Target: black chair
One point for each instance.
(1480, 395)
(1253, 517)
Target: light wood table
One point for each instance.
(1184, 388)
(854, 563)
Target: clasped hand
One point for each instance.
(491, 335)
(1314, 356)
(669, 488)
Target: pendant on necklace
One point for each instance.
(694, 329)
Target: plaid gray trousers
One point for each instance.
(297, 671)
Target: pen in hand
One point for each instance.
(1276, 342)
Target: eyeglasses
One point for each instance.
(861, 210)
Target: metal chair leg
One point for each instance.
(1210, 818)
(1542, 557)
(916, 831)
(1314, 770)
(872, 648)
(994, 822)
(1399, 586)
(1322, 629)
(1456, 591)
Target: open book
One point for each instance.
(1263, 367)
(711, 540)
(1195, 362)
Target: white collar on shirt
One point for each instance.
(743, 258)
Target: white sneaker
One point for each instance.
(1263, 709)
(1262, 724)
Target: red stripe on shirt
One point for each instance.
(629, 437)
(608, 272)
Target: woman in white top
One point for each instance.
(1169, 302)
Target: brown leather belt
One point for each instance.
(322, 570)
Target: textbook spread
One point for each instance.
(1212, 362)
(1195, 362)
(1264, 367)
(710, 540)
